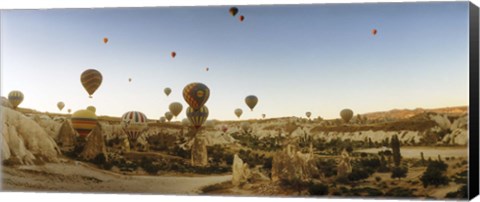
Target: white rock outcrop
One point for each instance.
(25, 138)
(240, 171)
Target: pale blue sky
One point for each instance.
(296, 58)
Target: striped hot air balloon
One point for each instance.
(84, 121)
(91, 79)
(15, 97)
(197, 117)
(175, 108)
(134, 124)
(196, 95)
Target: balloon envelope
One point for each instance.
(91, 79)
(105, 40)
(84, 121)
(251, 101)
(134, 123)
(173, 54)
(197, 117)
(15, 97)
(60, 105)
(233, 11)
(308, 114)
(175, 108)
(238, 112)
(169, 116)
(346, 115)
(196, 95)
(374, 31)
(242, 18)
(167, 91)
(92, 108)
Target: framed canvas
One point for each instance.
(330, 101)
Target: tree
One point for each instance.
(395, 144)
(435, 174)
(399, 172)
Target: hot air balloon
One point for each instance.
(169, 116)
(105, 40)
(346, 115)
(263, 115)
(238, 112)
(233, 11)
(374, 32)
(134, 123)
(224, 128)
(197, 117)
(69, 110)
(167, 91)
(15, 97)
(129, 79)
(92, 108)
(241, 18)
(175, 108)
(84, 121)
(251, 101)
(162, 119)
(196, 95)
(308, 114)
(173, 54)
(60, 105)
(91, 80)
(206, 69)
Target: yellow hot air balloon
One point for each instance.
(91, 79)
(308, 114)
(251, 101)
(169, 116)
(233, 11)
(346, 115)
(15, 97)
(175, 108)
(197, 117)
(84, 121)
(60, 105)
(92, 108)
(167, 91)
(238, 112)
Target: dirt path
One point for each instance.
(78, 177)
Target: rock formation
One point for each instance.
(66, 138)
(344, 166)
(240, 171)
(199, 152)
(291, 165)
(95, 145)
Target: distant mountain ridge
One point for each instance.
(408, 113)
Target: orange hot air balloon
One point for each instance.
(105, 40)
(173, 54)
(374, 31)
(91, 80)
(242, 18)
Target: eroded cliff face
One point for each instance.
(25, 139)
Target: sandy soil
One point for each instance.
(72, 176)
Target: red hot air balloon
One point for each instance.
(173, 54)
(374, 32)
(242, 18)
